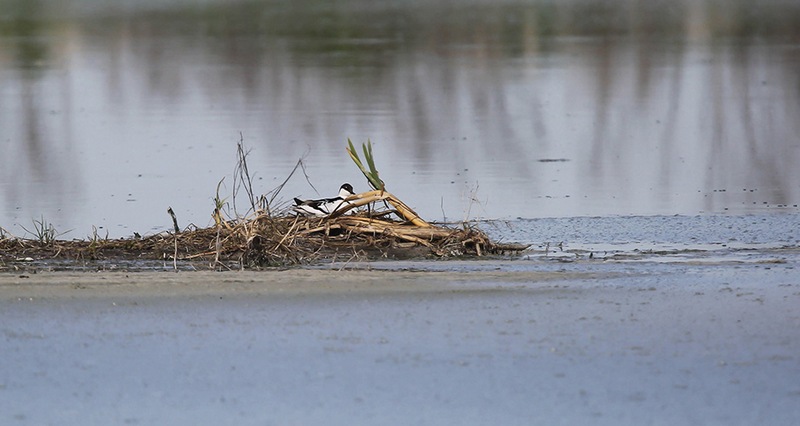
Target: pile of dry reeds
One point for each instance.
(282, 240)
(271, 241)
(269, 238)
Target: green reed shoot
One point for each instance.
(372, 174)
(43, 231)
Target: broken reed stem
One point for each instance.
(288, 232)
(174, 220)
(217, 246)
(368, 197)
(431, 232)
(388, 231)
(177, 231)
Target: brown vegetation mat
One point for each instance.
(271, 241)
(266, 239)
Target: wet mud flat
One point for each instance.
(505, 342)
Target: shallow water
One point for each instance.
(585, 242)
(592, 343)
(112, 111)
(700, 229)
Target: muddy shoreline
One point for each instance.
(242, 283)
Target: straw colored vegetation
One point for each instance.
(374, 224)
(265, 240)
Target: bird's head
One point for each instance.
(346, 190)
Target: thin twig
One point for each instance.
(175, 255)
(241, 175)
(274, 192)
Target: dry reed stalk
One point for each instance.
(358, 200)
(430, 232)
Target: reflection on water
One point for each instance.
(111, 111)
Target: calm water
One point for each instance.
(112, 112)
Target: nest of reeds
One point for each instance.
(360, 229)
(283, 240)
(264, 240)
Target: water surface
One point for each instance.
(112, 111)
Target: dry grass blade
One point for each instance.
(241, 175)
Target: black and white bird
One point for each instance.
(325, 206)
